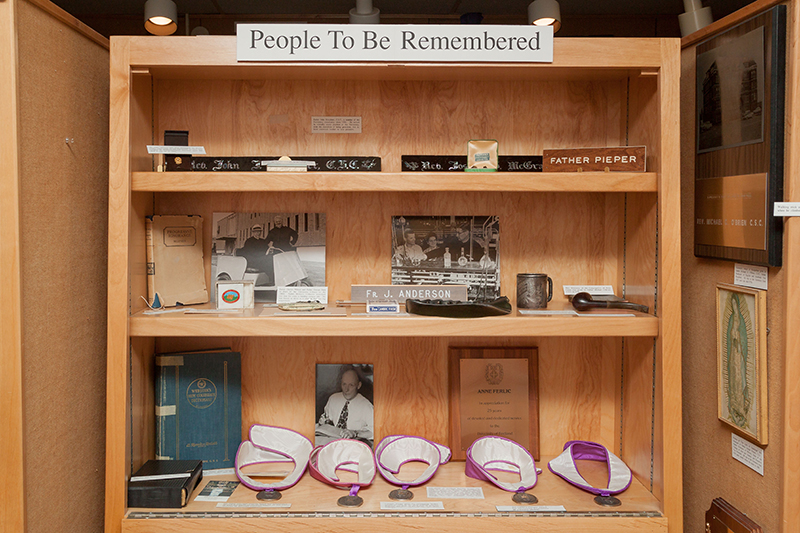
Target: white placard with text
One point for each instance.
(290, 295)
(394, 42)
(747, 453)
(786, 209)
(756, 277)
(594, 290)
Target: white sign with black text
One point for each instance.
(393, 42)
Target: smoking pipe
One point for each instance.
(583, 302)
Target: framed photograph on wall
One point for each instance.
(742, 360)
(740, 85)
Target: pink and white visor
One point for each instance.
(619, 475)
(270, 444)
(396, 450)
(504, 455)
(343, 454)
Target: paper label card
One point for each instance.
(594, 290)
(787, 209)
(455, 493)
(335, 124)
(747, 453)
(288, 295)
(756, 277)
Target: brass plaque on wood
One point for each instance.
(723, 517)
(494, 391)
(619, 159)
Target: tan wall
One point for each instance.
(709, 469)
(63, 94)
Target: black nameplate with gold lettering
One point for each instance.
(259, 164)
(458, 163)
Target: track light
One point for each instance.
(545, 13)
(364, 13)
(695, 18)
(160, 17)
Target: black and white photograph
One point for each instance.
(344, 403)
(730, 93)
(448, 250)
(271, 249)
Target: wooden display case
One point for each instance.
(611, 380)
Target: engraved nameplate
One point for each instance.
(258, 164)
(458, 163)
(623, 158)
(401, 293)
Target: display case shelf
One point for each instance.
(605, 323)
(311, 506)
(396, 181)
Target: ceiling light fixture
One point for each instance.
(364, 13)
(160, 17)
(696, 17)
(545, 13)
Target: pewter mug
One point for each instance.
(534, 291)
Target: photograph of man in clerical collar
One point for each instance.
(448, 250)
(271, 249)
(344, 403)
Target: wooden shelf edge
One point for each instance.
(357, 524)
(175, 325)
(396, 181)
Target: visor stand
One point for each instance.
(268, 494)
(524, 497)
(607, 501)
(351, 500)
(401, 494)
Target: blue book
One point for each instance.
(199, 407)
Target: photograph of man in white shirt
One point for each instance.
(347, 413)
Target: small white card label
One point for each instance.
(219, 472)
(455, 493)
(335, 124)
(786, 209)
(747, 453)
(175, 150)
(756, 277)
(290, 295)
(530, 508)
(412, 506)
(256, 504)
(572, 290)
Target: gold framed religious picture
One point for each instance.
(742, 360)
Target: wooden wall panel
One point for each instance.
(577, 387)
(709, 469)
(240, 118)
(12, 486)
(63, 94)
(562, 235)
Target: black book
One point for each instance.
(164, 483)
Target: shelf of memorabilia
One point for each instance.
(396, 181)
(613, 380)
(598, 323)
(311, 506)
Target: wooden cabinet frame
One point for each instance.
(612, 380)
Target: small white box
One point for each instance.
(235, 294)
(384, 306)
